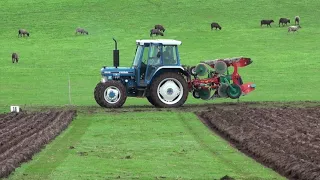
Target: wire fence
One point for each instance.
(66, 89)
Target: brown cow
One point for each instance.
(15, 57)
(160, 27)
(156, 32)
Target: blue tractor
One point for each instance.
(156, 73)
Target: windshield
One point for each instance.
(138, 55)
(170, 55)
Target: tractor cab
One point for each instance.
(153, 55)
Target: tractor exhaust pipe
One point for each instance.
(115, 54)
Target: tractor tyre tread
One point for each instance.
(151, 101)
(96, 94)
(99, 94)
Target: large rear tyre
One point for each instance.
(169, 90)
(151, 101)
(111, 94)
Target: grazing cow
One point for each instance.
(15, 57)
(267, 22)
(293, 28)
(296, 20)
(284, 21)
(23, 32)
(160, 27)
(81, 31)
(156, 32)
(215, 25)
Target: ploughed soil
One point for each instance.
(286, 139)
(24, 134)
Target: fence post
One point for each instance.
(69, 89)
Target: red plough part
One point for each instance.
(212, 79)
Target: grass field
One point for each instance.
(285, 68)
(141, 148)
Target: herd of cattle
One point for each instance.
(159, 30)
(284, 21)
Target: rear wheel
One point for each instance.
(150, 100)
(169, 89)
(111, 94)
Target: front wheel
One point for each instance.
(111, 94)
(96, 93)
(169, 89)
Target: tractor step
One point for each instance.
(142, 84)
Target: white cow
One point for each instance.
(293, 28)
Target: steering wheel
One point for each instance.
(154, 60)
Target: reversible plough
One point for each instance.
(212, 79)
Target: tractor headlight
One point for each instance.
(104, 79)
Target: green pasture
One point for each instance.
(285, 67)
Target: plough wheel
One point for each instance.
(205, 94)
(234, 91)
(196, 94)
(222, 90)
(201, 69)
(193, 71)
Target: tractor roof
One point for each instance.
(159, 41)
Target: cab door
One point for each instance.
(155, 61)
(143, 65)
